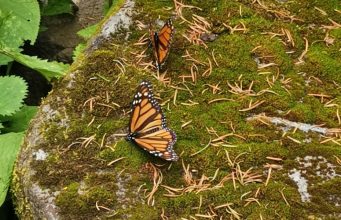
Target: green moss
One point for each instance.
(70, 201)
(322, 63)
(327, 196)
(284, 88)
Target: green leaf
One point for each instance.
(13, 91)
(20, 120)
(4, 59)
(78, 50)
(48, 69)
(55, 7)
(9, 148)
(88, 32)
(19, 21)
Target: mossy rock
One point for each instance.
(74, 165)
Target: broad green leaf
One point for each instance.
(4, 59)
(9, 148)
(13, 91)
(19, 22)
(56, 7)
(78, 50)
(48, 69)
(20, 120)
(88, 32)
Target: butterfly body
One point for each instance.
(161, 43)
(147, 126)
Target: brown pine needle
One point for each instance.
(173, 189)
(250, 200)
(102, 142)
(209, 70)
(268, 178)
(223, 205)
(300, 58)
(204, 216)
(92, 120)
(204, 148)
(326, 140)
(255, 105)
(98, 207)
(190, 103)
(274, 158)
(234, 213)
(175, 96)
(294, 140)
(319, 95)
(185, 124)
(114, 161)
(234, 180)
(273, 166)
(194, 71)
(220, 100)
(157, 179)
(214, 59)
(163, 217)
(215, 175)
(119, 135)
(266, 65)
(321, 11)
(338, 160)
(283, 196)
(222, 137)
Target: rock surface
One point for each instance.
(245, 106)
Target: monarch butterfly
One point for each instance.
(147, 126)
(161, 43)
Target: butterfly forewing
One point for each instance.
(147, 127)
(146, 112)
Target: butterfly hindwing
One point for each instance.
(159, 143)
(147, 126)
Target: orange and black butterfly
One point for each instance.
(161, 43)
(147, 126)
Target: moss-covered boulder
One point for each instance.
(252, 90)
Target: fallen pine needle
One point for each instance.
(338, 160)
(185, 124)
(255, 105)
(204, 216)
(223, 205)
(222, 137)
(285, 199)
(294, 140)
(120, 135)
(99, 207)
(209, 143)
(114, 161)
(219, 100)
(157, 180)
(274, 158)
(268, 178)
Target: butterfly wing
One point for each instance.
(161, 43)
(159, 143)
(146, 113)
(147, 126)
